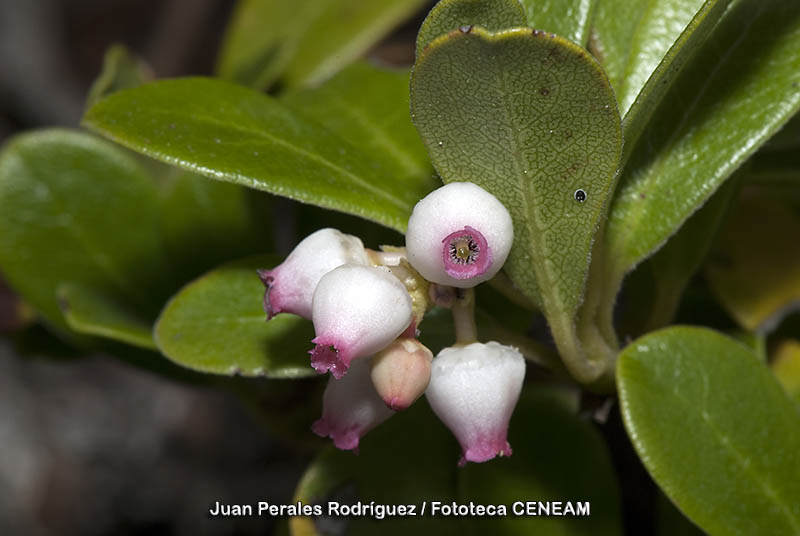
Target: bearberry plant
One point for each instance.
(566, 212)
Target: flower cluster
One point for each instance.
(367, 306)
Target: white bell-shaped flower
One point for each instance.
(474, 390)
(290, 285)
(401, 372)
(459, 235)
(351, 408)
(357, 311)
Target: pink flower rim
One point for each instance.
(466, 254)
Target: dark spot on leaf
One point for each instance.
(580, 195)
(567, 134)
(642, 196)
(544, 91)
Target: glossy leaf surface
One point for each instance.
(216, 324)
(368, 107)
(530, 118)
(736, 92)
(305, 41)
(237, 135)
(567, 18)
(80, 210)
(714, 429)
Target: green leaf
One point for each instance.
(368, 108)
(751, 271)
(412, 458)
(121, 70)
(788, 138)
(644, 45)
(567, 18)
(93, 313)
(786, 366)
(714, 429)
(736, 92)
(233, 134)
(216, 324)
(532, 119)
(450, 15)
(305, 41)
(77, 209)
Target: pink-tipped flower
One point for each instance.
(401, 372)
(357, 311)
(350, 408)
(290, 285)
(459, 235)
(473, 390)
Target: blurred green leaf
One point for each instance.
(567, 18)
(412, 458)
(93, 313)
(786, 366)
(305, 41)
(233, 134)
(122, 69)
(77, 209)
(216, 324)
(450, 15)
(206, 223)
(753, 273)
(675, 263)
(368, 108)
(735, 93)
(715, 430)
(531, 118)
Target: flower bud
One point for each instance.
(459, 235)
(290, 285)
(473, 390)
(357, 311)
(401, 372)
(350, 408)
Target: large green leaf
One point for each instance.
(230, 133)
(412, 458)
(736, 92)
(305, 41)
(450, 15)
(368, 107)
(77, 209)
(715, 430)
(531, 118)
(752, 272)
(216, 324)
(567, 18)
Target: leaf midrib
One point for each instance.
(718, 435)
(266, 136)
